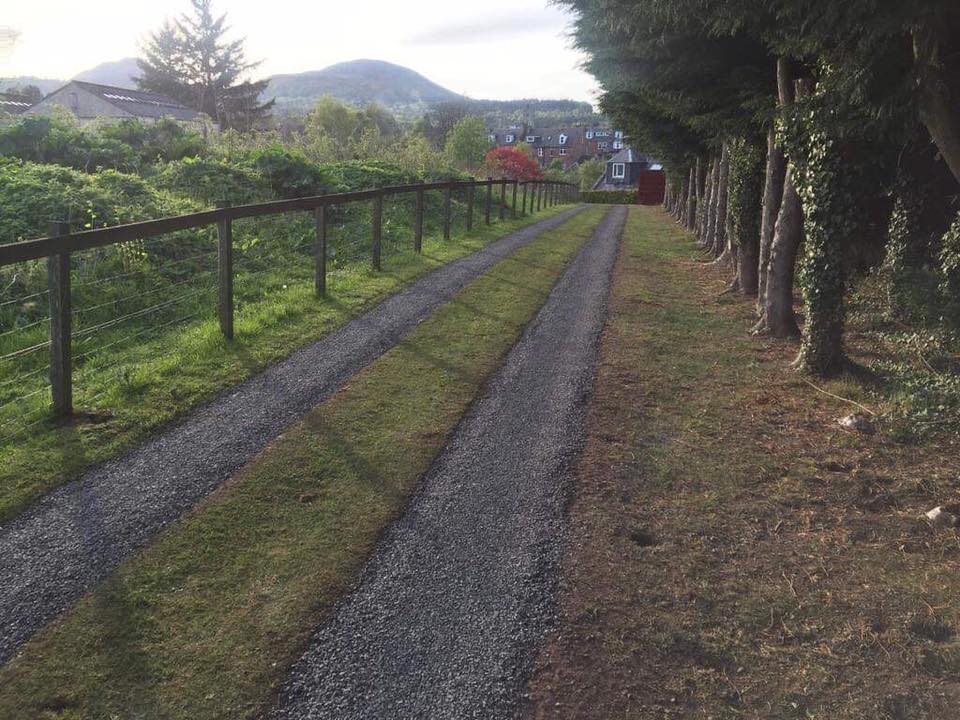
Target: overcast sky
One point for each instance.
(496, 49)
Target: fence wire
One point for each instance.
(128, 297)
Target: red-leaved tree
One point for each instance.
(510, 163)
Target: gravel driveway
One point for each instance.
(448, 612)
(76, 535)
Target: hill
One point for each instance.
(46, 85)
(359, 82)
(119, 73)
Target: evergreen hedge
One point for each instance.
(610, 197)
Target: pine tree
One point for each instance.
(190, 60)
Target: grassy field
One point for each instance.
(127, 393)
(205, 622)
(734, 551)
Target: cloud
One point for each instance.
(8, 38)
(517, 24)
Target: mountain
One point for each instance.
(119, 73)
(359, 82)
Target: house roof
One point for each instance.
(627, 155)
(13, 104)
(140, 104)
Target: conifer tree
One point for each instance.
(190, 60)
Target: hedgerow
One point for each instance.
(609, 197)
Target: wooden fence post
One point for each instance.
(503, 198)
(513, 208)
(539, 195)
(377, 223)
(418, 230)
(225, 271)
(447, 199)
(320, 250)
(486, 211)
(61, 326)
(470, 194)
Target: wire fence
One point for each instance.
(128, 287)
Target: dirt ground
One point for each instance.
(733, 551)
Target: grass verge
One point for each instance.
(205, 622)
(734, 551)
(130, 394)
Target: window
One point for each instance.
(619, 171)
(493, 138)
(563, 139)
(589, 134)
(510, 138)
(531, 138)
(602, 145)
(618, 134)
(563, 151)
(540, 152)
(618, 145)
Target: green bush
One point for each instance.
(31, 195)
(208, 180)
(610, 197)
(291, 174)
(163, 141)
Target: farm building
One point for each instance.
(90, 102)
(13, 104)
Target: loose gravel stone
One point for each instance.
(462, 588)
(76, 535)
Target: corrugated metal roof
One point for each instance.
(140, 104)
(13, 103)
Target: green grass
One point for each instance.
(206, 621)
(127, 395)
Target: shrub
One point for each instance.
(31, 195)
(612, 197)
(508, 162)
(208, 180)
(290, 174)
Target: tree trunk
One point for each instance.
(692, 199)
(780, 320)
(744, 203)
(697, 200)
(720, 233)
(710, 234)
(938, 109)
(772, 196)
(787, 235)
(705, 205)
(831, 218)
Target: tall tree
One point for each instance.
(190, 60)
(467, 143)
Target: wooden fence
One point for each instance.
(61, 242)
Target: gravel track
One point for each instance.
(76, 535)
(448, 612)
